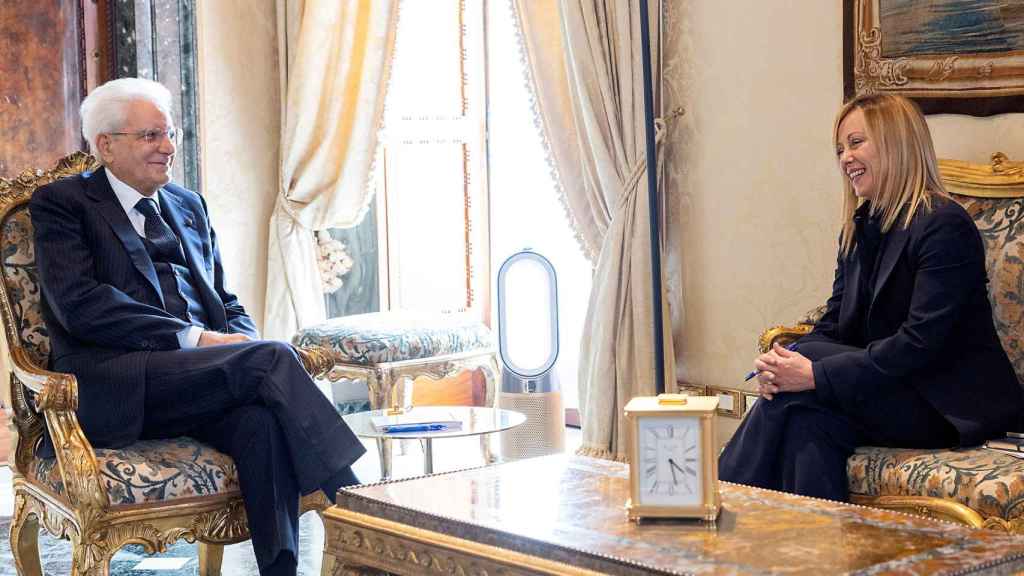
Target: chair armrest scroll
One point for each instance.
(784, 335)
(57, 398)
(317, 360)
(54, 390)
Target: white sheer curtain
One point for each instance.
(334, 57)
(586, 67)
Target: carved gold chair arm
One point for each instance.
(54, 390)
(57, 398)
(317, 360)
(785, 335)
(782, 334)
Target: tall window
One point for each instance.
(433, 193)
(426, 235)
(462, 182)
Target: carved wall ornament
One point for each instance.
(874, 72)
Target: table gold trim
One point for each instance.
(356, 540)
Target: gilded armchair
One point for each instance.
(150, 493)
(973, 486)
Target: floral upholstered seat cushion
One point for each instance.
(380, 337)
(153, 471)
(987, 481)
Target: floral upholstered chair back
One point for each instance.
(993, 195)
(20, 292)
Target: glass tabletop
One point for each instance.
(475, 420)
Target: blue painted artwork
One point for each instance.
(938, 27)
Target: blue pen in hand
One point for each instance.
(751, 374)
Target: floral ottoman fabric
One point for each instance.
(369, 339)
(987, 481)
(153, 471)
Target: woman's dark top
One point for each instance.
(915, 301)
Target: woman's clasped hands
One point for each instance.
(782, 370)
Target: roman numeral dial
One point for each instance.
(669, 454)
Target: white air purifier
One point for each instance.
(528, 346)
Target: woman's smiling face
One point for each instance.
(858, 156)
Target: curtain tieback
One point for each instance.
(640, 166)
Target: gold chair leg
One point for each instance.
(24, 536)
(210, 558)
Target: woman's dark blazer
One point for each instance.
(929, 324)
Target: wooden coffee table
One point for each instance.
(565, 515)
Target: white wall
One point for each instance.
(753, 189)
(240, 113)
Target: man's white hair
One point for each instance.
(105, 109)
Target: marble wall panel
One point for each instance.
(41, 82)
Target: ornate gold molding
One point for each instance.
(355, 541)
(781, 334)
(317, 360)
(225, 525)
(1015, 526)
(961, 75)
(871, 71)
(1000, 178)
(927, 506)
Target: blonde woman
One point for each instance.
(906, 354)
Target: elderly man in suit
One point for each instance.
(138, 310)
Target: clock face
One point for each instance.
(669, 467)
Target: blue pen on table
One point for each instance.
(751, 374)
(404, 428)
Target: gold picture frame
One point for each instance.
(962, 60)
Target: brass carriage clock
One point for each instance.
(673, 464)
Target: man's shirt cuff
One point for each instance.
(189, 337)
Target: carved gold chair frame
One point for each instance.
(84, 514)
(1001, 178)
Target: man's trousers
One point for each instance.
(255, 402)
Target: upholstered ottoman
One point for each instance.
(387, 349)
(980, 487)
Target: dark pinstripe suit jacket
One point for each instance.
(101, 297)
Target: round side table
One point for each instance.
(476, 421)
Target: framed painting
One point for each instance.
(951, 56)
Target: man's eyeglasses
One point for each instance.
(152, 136)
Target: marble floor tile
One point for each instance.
(55, 555)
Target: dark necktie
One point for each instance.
(157, 231)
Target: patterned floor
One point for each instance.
(181, 559)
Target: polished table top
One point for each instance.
(475, 420)
(570, 509)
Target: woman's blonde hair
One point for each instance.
(908, 173)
